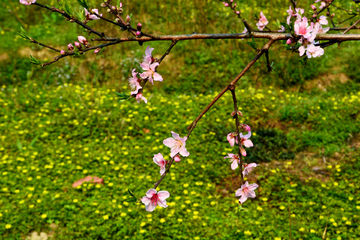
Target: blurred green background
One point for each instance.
(63, 122)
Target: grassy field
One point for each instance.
(63, 122)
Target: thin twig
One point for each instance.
(270, 68)
(233, 82)
(351, 26)
(168, 51)
(41, 44)
(72, 19)
(293, 4)
(237, 123)
(166, 171)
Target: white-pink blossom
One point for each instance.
(234, 159)
(302, 28)
(150, 72)
(262, 22)
(154, 198)
(232, 139)
(134, 81)
(177, 145)
(90, 16)
(244, 141)
(148, 58)
(160, 161)
(139, 97)
(313, 51)
(246, 191)
(248, 168)
(27, 2)
(83, 41)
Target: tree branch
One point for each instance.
(168, 51)
(233, 82)
(351, 26)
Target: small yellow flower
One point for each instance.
(282, 207)
(247, 232)
(75, 200)
(302, 229)
(8, 226)
(312, 231)
(162, 220)
(106, 217)
(142, 224)
(123, 214)
(44, 215)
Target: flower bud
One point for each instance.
(139, 26)
(238, 12)
(226, 4)
(113, 8)
(78, 45)
(108, 10)
(289, 41)
(333, 15)
(231, 0)
(313, 7)
(62, 52)
(83, 40)
(70, 47)
(97, 50)
(103, 5)
(314, 15)
(177, 158)
(120, 4)
(138, 33)
(128, 19)
(327, 13)
(235, 4)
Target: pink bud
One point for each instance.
(313, 7)
(234, 4)
(333, 15)
(97, 50)
(314, 15)
(120, 4)
(238, 12)
(62, 52)
(128, 19)
(289, 41)
(231, 0)
(226, 4)
(78, 45)
(328, 13)
(138, 33)
(177, 158)
(82, 40)
(70, 47)
(139, 26)
(113, 8)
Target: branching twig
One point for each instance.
(72, 19)
(233, 82)
(351, 26)
(166, 171)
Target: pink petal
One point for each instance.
(243, 199)
(157, 77)
(163, 195)
(151, 207)
(150, 193)
(253, 186)
(183, 152)
(234, 164)
(248, 143)
(175, 135)
(162, 203)
(145, 200)
(169, 142)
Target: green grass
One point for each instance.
(63, 122)
(53, 136)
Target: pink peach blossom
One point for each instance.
(246, 191)
(148, 58)
(302, 28)
(234, 159)
(232, 139)
(262, 22)
(154, 198)
(150, 72)
(70, 47)
(90, 16)
(248, 168)
(160, 161)
(244, 141)
(177, 158)
(139, 97)
(313, 51)
(27, 2)
(83, 41)
(177, 145)
(134, 81)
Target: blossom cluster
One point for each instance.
(177, 147)
(246, 190)
(307, 32)
(148, 66)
